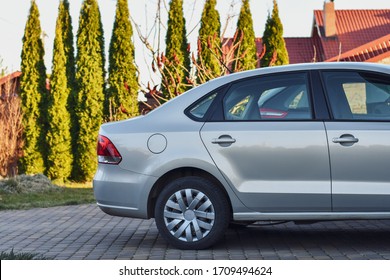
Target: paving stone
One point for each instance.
(85, 232)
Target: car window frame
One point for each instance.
(358, 71)
(321, 107)
(220, 90)
(218, 115)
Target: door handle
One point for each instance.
(346, 140)
(224, 140)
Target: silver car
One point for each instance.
(297, 143)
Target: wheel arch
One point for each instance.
(181, 173)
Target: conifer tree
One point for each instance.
(90, 86)
(33, 94)
(209, 47)
(246, 53)
(177, 69)
(274, 41)
(122, 72)
(59, 156)
(67, 39)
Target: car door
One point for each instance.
(268, 146)
(359, 140)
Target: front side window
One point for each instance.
(358, 96)
(274, 97)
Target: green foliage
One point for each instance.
(246, 53)
(209, 45)
(276, 52)
(90, 81)
(122, 72)
(178, 65)
(33, 94)
(58, 137)
(67, 39)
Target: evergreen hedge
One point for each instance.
(246, 53)
(209, 48)
(68, 41)
(177, 68)
(122, 72)
(274, 41)
(34, 95)
(91, 88)
(59, 156)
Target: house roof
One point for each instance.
(10, 84)
(300, 50)
(10, 77)
(370, 52)
(360, 35)
(357, 32)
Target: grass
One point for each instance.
(26, 192)
(64, 196)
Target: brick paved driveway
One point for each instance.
(85, 232)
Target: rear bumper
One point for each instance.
(121, 211)
(120, 192)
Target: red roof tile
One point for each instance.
(354, 28)
(372, 51)
(361, 35)
(300, 50)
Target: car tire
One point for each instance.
(192, 213)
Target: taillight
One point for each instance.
(106, 151)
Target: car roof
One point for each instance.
(317, 66)
(184, 100)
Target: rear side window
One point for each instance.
(199, 109)
(358, 96)
(274, 97)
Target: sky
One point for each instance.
(296, 17)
